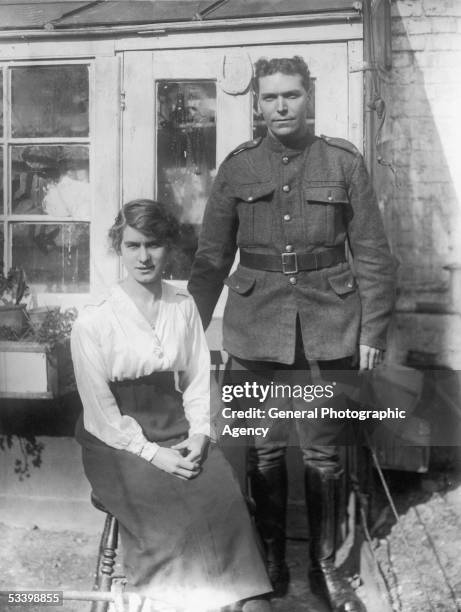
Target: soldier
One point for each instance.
(290, 202)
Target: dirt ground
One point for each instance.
(421, 565)
(37, 559)
(420, 556)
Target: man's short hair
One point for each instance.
(286, 65)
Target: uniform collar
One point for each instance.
(275, 145)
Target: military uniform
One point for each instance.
(269, 200)
(315, 279)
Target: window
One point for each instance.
(45, 163)
(186, 159)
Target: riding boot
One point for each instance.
(322, 497)
(269, 491)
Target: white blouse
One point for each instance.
(113, 341)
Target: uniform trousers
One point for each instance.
(319, 439)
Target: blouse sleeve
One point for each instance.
(194, 380)
(101, 415)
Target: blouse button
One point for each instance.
(289, 248)
(250, 198)
(285, 159)
(293, 280)
(286, 188)
(286, 217)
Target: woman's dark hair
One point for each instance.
(149, 217)
(286, 65)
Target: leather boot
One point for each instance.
(322, 497)
(269, 491)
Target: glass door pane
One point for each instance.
(186, 158)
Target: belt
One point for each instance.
(291, 263)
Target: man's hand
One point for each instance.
(193, 448)
(171, 461)
(369, 357)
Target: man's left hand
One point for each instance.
(193, 448)
(370, 357)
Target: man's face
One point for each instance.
(283, 102)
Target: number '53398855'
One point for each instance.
(22, 598)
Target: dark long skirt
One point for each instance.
(185, 542)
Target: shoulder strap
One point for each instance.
(250, 144)
(341, 143)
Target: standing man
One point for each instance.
(291, 202)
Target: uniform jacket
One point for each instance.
(267, 197)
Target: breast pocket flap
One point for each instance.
(254, 191)
(326, 194)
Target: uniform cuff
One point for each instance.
(373, 342)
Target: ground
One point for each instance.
(418, 558)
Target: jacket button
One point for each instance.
(289, 248)
(286, 188)
(250, 198)
(330, 198)
(350, 284)
(287, 217)
(285, 159)
(293, 280)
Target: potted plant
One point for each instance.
(13, 291)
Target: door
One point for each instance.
(186, 109)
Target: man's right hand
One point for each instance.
(369, 357)
(174, 463)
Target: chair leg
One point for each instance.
(106, 561)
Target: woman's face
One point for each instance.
(143, 258)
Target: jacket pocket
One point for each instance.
(254, 208)
(324, 212)
(241, 281)
(343, 283)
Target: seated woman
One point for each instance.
(142, 368)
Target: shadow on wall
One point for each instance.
(419, 191)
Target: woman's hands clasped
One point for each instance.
(184, 459)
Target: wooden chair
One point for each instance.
(106, 556)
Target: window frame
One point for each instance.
(7, 142)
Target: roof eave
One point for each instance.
(50, 31)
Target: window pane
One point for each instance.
(50, 180)
(1, 103)
(55, 257)
(259, 127)
(1, 179)
(2, 244)
(186, 158)
(49, 101)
